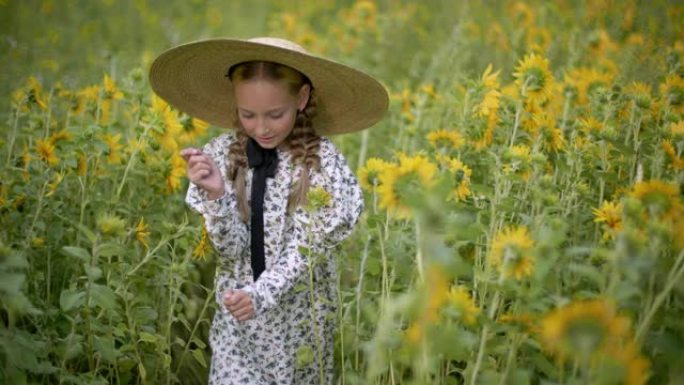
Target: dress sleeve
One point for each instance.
(316, 230)
(221, 219)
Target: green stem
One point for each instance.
(131, 160)
(12, 137)
(359, 290)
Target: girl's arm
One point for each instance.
(221, 219)
(319, 230)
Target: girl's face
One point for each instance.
(267, 109)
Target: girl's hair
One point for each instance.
(302, 143)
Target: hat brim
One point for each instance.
(192, 78)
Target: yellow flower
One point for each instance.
(59, 136)
(410, 172)
(521, 153)
(317, 198)
(37, 242)
(534, 78)
(590, 125)
(677, 129)
(511, 252)
(174, 173)
(191, 129)
(610, 214)
(461, 174)
(202, 248)
(82, 165)
(460, 298)
(661, 199)
(521, 321)
(640, 93)
(583, 330)
(369, 175)
(584, 80)
(672, 92)
(52, 186)
(490, 80)
(444, 139)
(677, 161)
(46, 152)
(543, 125)
(111, 92)
(142, 232)
(113, 148)
(110, 224)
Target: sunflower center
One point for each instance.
(585, 336)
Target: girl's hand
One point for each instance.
(203, 172)
(239, 304)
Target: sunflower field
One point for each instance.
(524, 218)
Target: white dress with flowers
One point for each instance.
(289, 341)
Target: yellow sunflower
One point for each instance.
(672, 92)
(46, 152)
(583, 330)
(610, 214)
(584, 80)
(677, 129)
(660, 199)
(511, 252)
(640, 94)
(445, 139)
(142, 233)
(534, 78)
(369, 175)
(192, 129)
(113, 148)
(175, 171)
(110, 94)
(460, 299)
(203, 246)
(461, 174)
(676, 161)
(591, 125)
(411, 172)
(543, 126)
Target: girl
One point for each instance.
(275, 279)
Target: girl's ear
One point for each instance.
(303, 96)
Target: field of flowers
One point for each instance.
(524, 217)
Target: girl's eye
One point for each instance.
(247, 116)
(276, 116)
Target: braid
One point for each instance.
(237, 170)
(303, 144)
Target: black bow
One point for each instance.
(264, 162)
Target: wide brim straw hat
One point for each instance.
(192, 78)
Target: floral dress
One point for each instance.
(290, 339)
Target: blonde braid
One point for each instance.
(237, 171)
(303, 145)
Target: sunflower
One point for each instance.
(110, 94)
(672, 91)
(583, 330)
(46, 152)
(411, 172)
(113, 148)
(511, 252)
(110, 224)
(192, 129)
(610, 214)
(676, 160)
(174, 173)
(640, 94)
(677, 129)
(142, 233)
(584, 80)
(461, 174)
(369, 175)
(591, 125)
(60, 136)
(445, 139)
(461, 300)
(31, 94)
(661, 199)
(543, 126)
(202, 248)
(534, 78)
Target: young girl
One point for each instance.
(275, 279)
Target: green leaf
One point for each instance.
(199, 356)
(103, 296)
(71, 299)
(11, 283)
(105, 346)
(93, 272)
(110, 249)
(76, 252)
(147, 337)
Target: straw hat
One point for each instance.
(192, 78)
